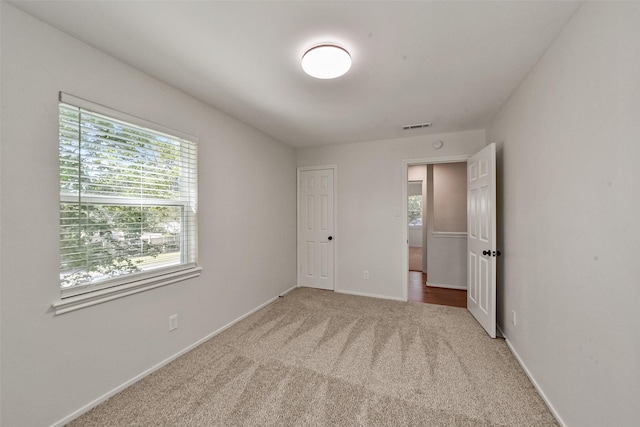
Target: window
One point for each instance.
(128, 197)
(415, 211)
(414, 206)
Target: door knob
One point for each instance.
(489, 253)
(330, 237)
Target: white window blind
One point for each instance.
(128, 199)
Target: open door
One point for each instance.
(481, 238)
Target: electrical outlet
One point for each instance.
(513, 317)
(365, 274)
(173, 322)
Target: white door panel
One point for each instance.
(316, 228)
(481, 237)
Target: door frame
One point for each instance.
(404, 209)
(334, 168)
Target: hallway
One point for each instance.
(442, 296)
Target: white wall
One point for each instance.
(54, 365)
(1, 235)
(369, 189)
(417, 173)
(569, 206)
(447, 260)
(450, 197)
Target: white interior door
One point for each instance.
(481, 237)
(316, 228)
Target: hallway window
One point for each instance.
(415, 211)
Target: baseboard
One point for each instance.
(364, 294)
(140, 376)
(438, 285)
(533, 381)
(270, 301)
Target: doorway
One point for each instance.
(436, 231)
(480, 242)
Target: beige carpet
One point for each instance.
(316, 358)
(415, 258)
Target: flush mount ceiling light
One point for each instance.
(326, 61)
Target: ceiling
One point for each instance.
(450, 63)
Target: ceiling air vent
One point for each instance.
(418, 126)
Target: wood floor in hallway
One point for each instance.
(418, 291)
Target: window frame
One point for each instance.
(86, 295)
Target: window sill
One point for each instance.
(65, 305)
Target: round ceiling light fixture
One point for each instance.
(326, 61)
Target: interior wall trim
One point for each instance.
(450, 234)
(544, 397)
(445, 286)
